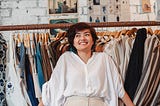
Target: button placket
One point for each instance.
(87, 80)
(86, 74)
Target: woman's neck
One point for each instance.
(85, 56)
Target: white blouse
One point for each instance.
(72, 77)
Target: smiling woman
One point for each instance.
(83, 77)
(83, 41)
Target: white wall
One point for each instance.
(136, 13)
(36, 12)
(14, 12)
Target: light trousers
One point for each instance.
(84, 101)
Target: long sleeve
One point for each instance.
(117, 79)
(115, 82)
(52, 90)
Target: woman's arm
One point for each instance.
(126, 99)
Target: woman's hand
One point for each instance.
(126, 99)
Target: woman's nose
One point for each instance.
(82, 37)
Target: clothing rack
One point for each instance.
(66, 25)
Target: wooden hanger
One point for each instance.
(131, 32)
(123, 32)
(26, 40)
(46, 37)
(117, 34)
(105, 36)
(43, 38)
(98, 33)
(149, 31)
(59, 35)
(113, 34)
(20, 38)
(17, 39)
(39, 37)
(107, 33)
(156, 32)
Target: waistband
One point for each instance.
(85, 98)
(84, 101)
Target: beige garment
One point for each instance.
(84, 101)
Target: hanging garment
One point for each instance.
(148, 88)
(15, 87)
(154, 79)
(120, 49)
(29, 81)
(53, 51)
(38, 62)
(3, 49)
(30, 52)
(128, 49)
(45, 62)
(134, 71)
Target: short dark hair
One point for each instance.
(71, 32)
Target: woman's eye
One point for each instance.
(77, 35)
(87, 34)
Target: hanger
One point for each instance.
(20, 38)
(43, 38)
(98, 33)
(105, 37)
(99, 47)
(149, 31)
(39, 37)
(100, 36)
(113, 34)
(26, 40)
(59, 35)
(17, 39)
(123, 32)
(107, 33)
(156, 32)
(131, 33)
(117, 34)
(36, 37)
(46, 38)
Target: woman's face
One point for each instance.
(83, 40)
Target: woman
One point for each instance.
(83, 77)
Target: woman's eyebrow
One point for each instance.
(88, 32)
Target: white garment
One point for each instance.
(72, 77)
(119, 49)
(16, 94)
(128, 49)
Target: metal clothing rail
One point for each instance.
(66, 25)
